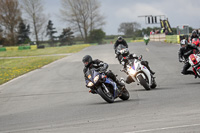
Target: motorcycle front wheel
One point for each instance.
(107, 96)
(143, 82)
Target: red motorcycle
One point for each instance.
(196, 41)
(194, 60)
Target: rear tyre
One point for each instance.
(153, 86)
(143, 82)
(108, 97)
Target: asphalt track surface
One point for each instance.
(54, 99)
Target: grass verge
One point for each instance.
(46, 51)
(12, 68)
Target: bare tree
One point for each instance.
(129, 28)
(83, 15)
(34, 12)
(10, 16)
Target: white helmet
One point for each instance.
(183, 42)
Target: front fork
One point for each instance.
(115, 92)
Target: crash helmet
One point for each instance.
(87, 59)
(183, 42)
(120, 38)
(194, 33)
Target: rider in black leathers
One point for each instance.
(98, 64)
(185, 51)
(194, 35)
(120, 40)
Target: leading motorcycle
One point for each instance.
(100, 84)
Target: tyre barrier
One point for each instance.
(18, 48)
(2, 49)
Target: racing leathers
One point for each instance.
(132, 57)
(184, 54)
(101, 66)
(118, 55)
(193, 36)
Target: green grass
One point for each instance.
(46, 51)
(12, 68)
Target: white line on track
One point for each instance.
(164, 128)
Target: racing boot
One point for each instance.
(152, 72)
(146, 64)
(120, 84)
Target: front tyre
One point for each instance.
(125, 95)
(107, 96)
(143, 82)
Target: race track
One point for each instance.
(54, 99)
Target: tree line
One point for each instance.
(133, 29)
(21, 18)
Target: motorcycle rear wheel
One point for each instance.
(153, 86)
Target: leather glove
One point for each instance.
(181, 60)
(102, 70)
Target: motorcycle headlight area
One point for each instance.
(90, 84)
(132, 72)
(96, 78)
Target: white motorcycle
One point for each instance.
(136, 71)
(139, 73)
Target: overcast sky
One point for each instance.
(178, 12)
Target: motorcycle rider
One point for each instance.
(194, 35)
(120, 40)
(98, 64)
(132, 57)
(185, 51)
